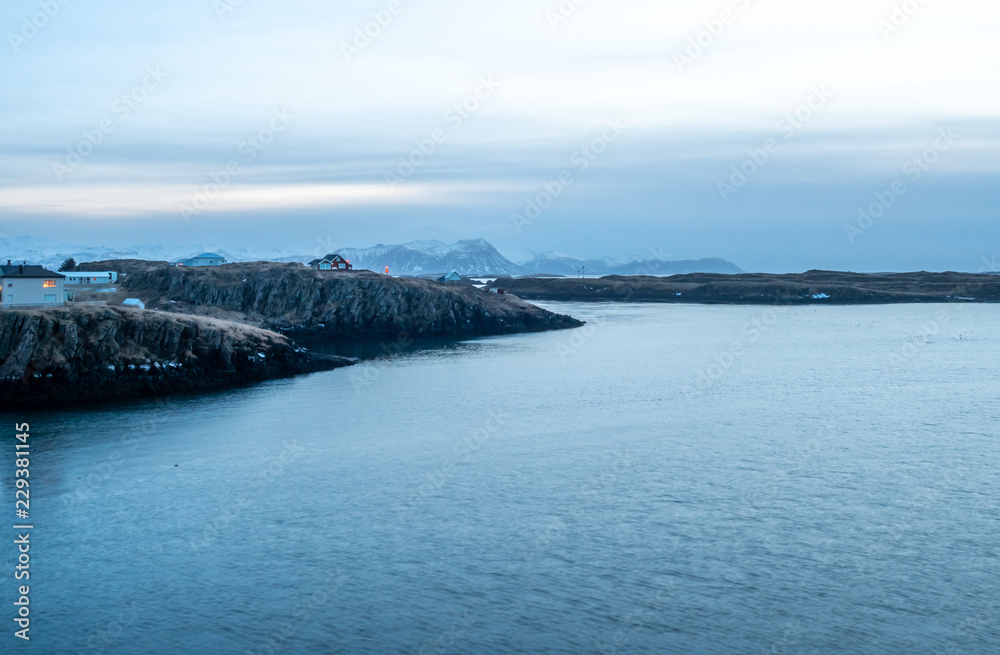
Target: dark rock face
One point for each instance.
(355, 304)
(812, 287)
(120, 266)
(96, 353)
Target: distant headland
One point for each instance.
(809, 288)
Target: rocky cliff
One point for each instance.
(94, 353)
(357, 304)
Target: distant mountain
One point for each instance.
(680, 267)
(473, 257)
(554, 264)
(51, 254)
(469, 257)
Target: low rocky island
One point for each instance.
(812, 287)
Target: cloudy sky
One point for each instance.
(780, 134)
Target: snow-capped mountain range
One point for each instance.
(470, 257)
(473, 257)
(51, 254)
(554, 264)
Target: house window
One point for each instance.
(324, 266)
(49, 284)
(50, 297)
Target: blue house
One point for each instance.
(204, 259)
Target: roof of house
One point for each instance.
(208, 255)
(28, 270)
(132, 301)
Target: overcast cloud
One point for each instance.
(747, 129)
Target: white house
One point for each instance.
(91, 277)
(134, 303)
(30, 286)
(204, 259)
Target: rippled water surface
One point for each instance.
(669, 479)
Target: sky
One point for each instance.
(782, 135)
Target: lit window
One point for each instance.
(49, 284)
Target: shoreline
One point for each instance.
(810, 288)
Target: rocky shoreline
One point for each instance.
(212, 327)
(96, 353)
(810, 288)
(296, 300)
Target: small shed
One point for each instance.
(135, 303)
(451, 278)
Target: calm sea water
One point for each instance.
(669, 479)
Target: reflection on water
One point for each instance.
(377, 348)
